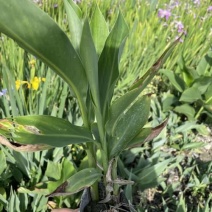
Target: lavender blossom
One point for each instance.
(197, 2)
(179, 26)
(174, 4)
(164, 14)
(209, 9)
(3, 92)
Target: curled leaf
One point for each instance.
(23, 148)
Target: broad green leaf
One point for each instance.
(187, 110)
(149, 175)
(99, 30)
(37, 33)
(77, 182)
(118, 107)
(74, 23)
(67, 170)
(147, 134)
(191, 95)
(2, 162)
(53, 170)
(47, 130)
(108, 62)
(129, 125)
(204, 64)
(175, 80)
(140, 138)
(202, 84)
(90, 61)
(148, 76)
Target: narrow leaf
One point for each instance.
(2, 162)
(108, 62)
(74, 23)
(75, 8)
(148, 76)
(90, 61)
(99, 30)
(193, 145)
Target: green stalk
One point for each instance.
(92, 163)
(90, 153)
(103, 139)
(115, 176)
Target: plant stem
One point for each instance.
(91, 154)
(115, 176)
(92, 163)
(103, 139)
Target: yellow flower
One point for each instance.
(35, 82)
(18, 84)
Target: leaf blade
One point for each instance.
(129, 125)
(77, 182)
(108, 61)
(37, 130)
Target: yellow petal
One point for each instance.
(35, 83)
(17, 84)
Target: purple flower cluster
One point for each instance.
(179, 26)
(3, 92)
(166, 15)
(209, 9)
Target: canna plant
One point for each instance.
(87, 59)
